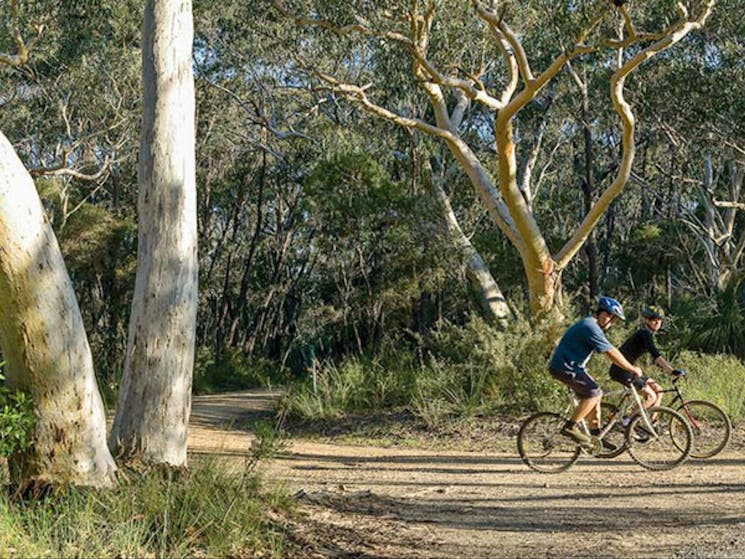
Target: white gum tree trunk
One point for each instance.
(155, 395)
(490, 296)
(44, 342)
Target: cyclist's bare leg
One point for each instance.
(593, 418)
(585, 407)
(658, 392)
(653, 394)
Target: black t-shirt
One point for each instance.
(638, 344)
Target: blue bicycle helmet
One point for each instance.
(611, 306)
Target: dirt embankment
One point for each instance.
(404, 503)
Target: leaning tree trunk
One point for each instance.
(155, 396)
(44, 342)
(491, 300)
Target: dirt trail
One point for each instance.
(402, 503)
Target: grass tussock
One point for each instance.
(207, 511)
(458, 372)
(474, 370)
(717, 378)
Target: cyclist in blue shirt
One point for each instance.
(569, 365)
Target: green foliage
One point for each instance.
(511, 365)
(646, 256)
(17, 419)
(355, 385)
(469, 370)
(714, 324)
(717, 378)
(208, 511)
(234, 370)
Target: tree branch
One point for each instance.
(674, 34)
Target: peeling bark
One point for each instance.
(44, 342)
(155, 395)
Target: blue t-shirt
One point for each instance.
(576, 346)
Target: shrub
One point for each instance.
(17, 420)
(714, 324)
(204, 512)
(357, 384)
(234, 370)
(717, 378)
(509, 366)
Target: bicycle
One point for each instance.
(710, 424)
(662, 444)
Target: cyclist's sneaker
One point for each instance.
(642, 434)
(576, 434)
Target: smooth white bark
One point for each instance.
(490, 296)
(44, 342)
(155, 395)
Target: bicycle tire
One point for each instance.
(616, 436)
(669, 449)
(542, 447)
(711, 427)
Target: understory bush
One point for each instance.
(476, 369)
(17, 420)
(356, 385)
(717, 378)
(234, 370)
(459, 372)
(204, 512)
(713, 324)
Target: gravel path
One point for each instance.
(401, 503)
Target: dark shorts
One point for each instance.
(626, 378)
(582, 384)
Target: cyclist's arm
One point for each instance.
(618, 358)
(663, 364)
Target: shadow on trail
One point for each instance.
(451, 463)
(232, 410)
(406, 458)
(539, 516)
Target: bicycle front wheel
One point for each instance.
(542, 447)
(710, 425)
(666, 446)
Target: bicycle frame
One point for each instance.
(683, 404)
(625, 407)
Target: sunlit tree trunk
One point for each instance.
(155, 396)
(492, 301)
(44, 342)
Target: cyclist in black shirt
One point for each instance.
(641, 342)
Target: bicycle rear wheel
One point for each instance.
(710, 425)
(542, 447)
(668, 446)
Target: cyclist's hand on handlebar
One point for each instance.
(677, 373)
(638, 372)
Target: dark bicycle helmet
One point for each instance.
(653, 311)
(611, 306)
